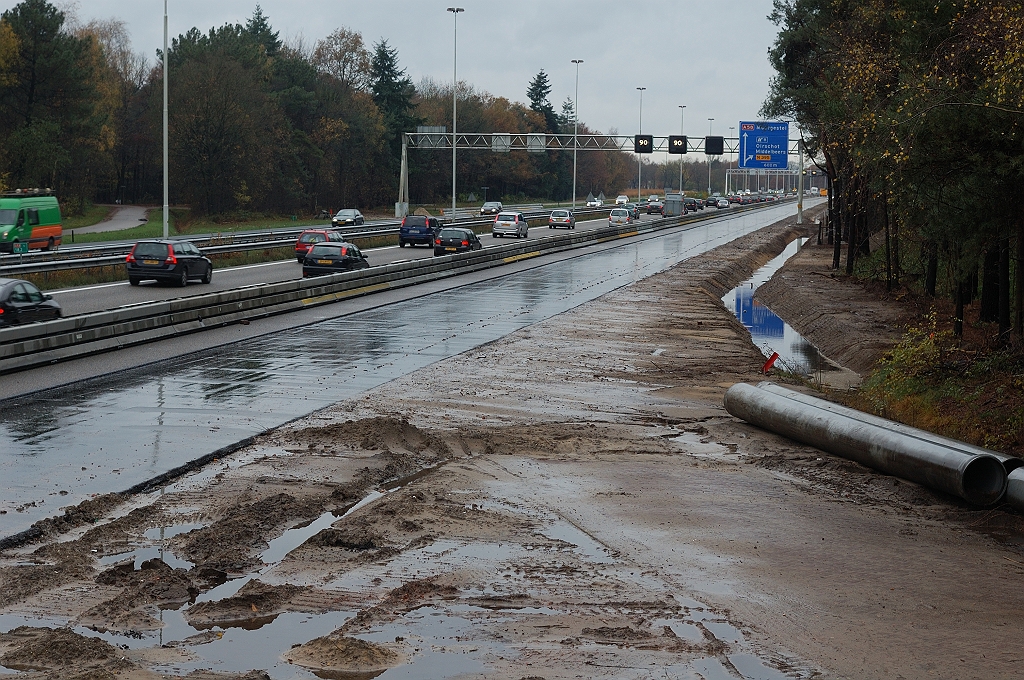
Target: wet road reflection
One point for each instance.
(60, 446)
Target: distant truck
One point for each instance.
(674, 205)
(29, 218)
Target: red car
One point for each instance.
(311, 237)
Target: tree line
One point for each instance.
(916, 109)
(255, 125)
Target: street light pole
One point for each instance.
(575, 128)
(455, 96)
(640, 158)
(711, 122)
(682, 131)
(166, 205)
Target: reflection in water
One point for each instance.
(116, 431)
(767, 330)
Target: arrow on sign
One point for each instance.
(745, 156)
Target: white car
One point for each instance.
(510, 224)
(621, 200)
(722, 203)
(595, 203)
(620, 216)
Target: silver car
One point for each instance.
(510, 224)
(722, 203)
(620, 216)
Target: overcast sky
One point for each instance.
(710, 56)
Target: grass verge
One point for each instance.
(93, 214)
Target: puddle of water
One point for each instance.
(158, 533)
(752, 668)
(560, 530)
(684, 631)
(711, 668)
(229, 650)
(726, 632)
(691, 441)
(444, 642)
(768, 331)
(278, 549)
(143, 553)
(140, 555)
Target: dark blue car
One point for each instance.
(418, 230)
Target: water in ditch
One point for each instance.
(61, 446)
(769, 332)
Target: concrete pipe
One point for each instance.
(1015, 489)
(978, 478)
(1010, 463)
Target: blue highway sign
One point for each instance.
(764, 145)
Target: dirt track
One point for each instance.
(570, 501)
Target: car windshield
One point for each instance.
(619, 213)
(452, 233)
(327, 250)
(491, 204)
(415, 221)
(346, 213)
(507, 217)
(312, 238)
(8, 216)
(150, 250)
(560, 213)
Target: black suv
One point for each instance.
(167, 261)
(418, 229)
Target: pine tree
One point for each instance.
(538, 92)
(392, 91)
(568, 116)
(260, 31)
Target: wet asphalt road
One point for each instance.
(59, 446)
(110, 295)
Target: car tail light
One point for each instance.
(403, 221)
(131, 256)
(465, 243)
(171, 259)
(437, 241)
(495, 219)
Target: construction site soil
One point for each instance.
(569, 501)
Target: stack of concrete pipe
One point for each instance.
(978, 476)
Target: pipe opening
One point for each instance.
(984, 480)
(1011, 464)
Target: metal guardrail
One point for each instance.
(204, 240)
(31, 345)
(110, 254)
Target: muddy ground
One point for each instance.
(569, 501)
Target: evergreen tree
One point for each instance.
(538, 93)
(392, 91)
(567, 118)
(259, 30)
